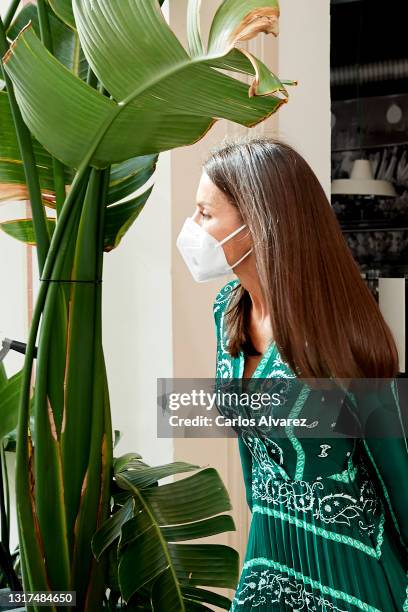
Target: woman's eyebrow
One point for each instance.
(204, 204)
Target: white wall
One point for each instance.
(304, 55)
(137, 322)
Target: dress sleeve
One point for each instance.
(385, 445)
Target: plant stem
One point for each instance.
(101, 449)
(58, 167)
(44, 22)
(49, 493)
(33, 569)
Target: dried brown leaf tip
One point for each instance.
(51, 419)
(10, 50)
(259, 20)
(16, 191)
(13, 191)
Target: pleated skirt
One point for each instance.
(322, 547)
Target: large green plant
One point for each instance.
(93, 91)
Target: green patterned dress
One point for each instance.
(329, 526)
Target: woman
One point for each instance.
(329, 528)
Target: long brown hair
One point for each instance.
(324, 318)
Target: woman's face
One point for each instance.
(217, 216)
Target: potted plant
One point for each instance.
(93, 91)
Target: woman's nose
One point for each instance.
(196, 216)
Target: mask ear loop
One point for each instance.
(232, 234)
(243, 257)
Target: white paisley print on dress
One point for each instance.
(264, 587)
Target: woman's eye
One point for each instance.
(204, 215)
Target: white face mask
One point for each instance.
(202, 253)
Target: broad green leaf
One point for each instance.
(188, 499)
(110, 530)
(148, 553)
(128, 176)
(205, 564)
(192, 564)
(63, 9)
(167, 100)
(117, 437)
(166, 514)
(121, 84)
(199, 529)
(41, 74)
(239, 60)
(120, 217)
(3, 376)
(12, 177)
(265, 81)
(191, 606)
(185, 500)
(141, 476)
(118, 220)
(112, 581)
(135, 527)
(120, 463)
(210, 597)
(65, 41)
(195, 43)
(9, 398)
(164, 594)
(23, 229)
(238, 20)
